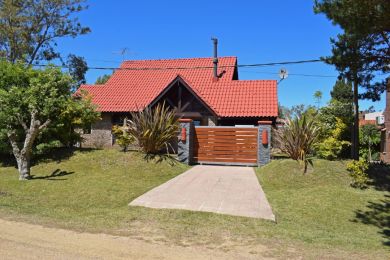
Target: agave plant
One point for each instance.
(154, 129)
(297, 139)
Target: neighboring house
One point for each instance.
(206, 90)
(369, 118)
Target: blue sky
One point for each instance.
(254, 31)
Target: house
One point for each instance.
(369, 118)
(206, 90)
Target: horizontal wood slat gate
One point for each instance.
(226, 145)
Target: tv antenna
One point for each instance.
(123, 52)
(283, 74)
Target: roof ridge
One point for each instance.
(253, 80)
(172, 59)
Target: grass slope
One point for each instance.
(316, 214)
(321, 207)
(90, 190)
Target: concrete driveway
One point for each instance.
(220, 189)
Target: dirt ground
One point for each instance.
(25, 241)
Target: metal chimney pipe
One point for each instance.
(215, 60)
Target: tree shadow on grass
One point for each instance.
(54, 176)
(59, 155)
(378, 214)
(160, 158)
(379, 174)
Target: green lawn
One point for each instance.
(317, 214)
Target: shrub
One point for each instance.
(332, 146)
(46, 148)
(297, 138)
(122, 136)
(358, 172)
(154, 129)
(369, 137)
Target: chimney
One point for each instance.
(215, 60)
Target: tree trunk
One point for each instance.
(24, 167)
(369, 150)
(23, 155)
(369, 154)
(355, 132)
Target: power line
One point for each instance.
(196, 67)
(293, 74)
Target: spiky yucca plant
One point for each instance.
(154, 129)
(297, 138)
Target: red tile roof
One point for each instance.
(138, 83)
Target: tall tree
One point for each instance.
(342, 92)
(102, 79)
(362, 50)
(77, 68)
(29, 29)
(31, 101)
(318, 96)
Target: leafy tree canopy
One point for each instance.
(29, 28)
(77, 69)
(364, 47)
(370, 139)
(32, 101)
(342, 92)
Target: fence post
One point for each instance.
(264, 143)
(185, 141)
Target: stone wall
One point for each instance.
(100, 135)
(264, 152)
(185, 147)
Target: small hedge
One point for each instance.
(358, 172)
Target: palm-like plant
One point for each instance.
(154, 129)
(297, 138)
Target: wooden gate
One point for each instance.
(226, 145)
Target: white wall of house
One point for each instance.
(372, 116)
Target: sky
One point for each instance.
(256, 31)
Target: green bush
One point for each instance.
(332, 146)
(358, 172)
(122, 137)
(46, 148)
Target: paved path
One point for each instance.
(220, 189)
(25, 241)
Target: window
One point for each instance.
(87, 130)
(118, 119)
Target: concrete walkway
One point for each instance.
(220, 189)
